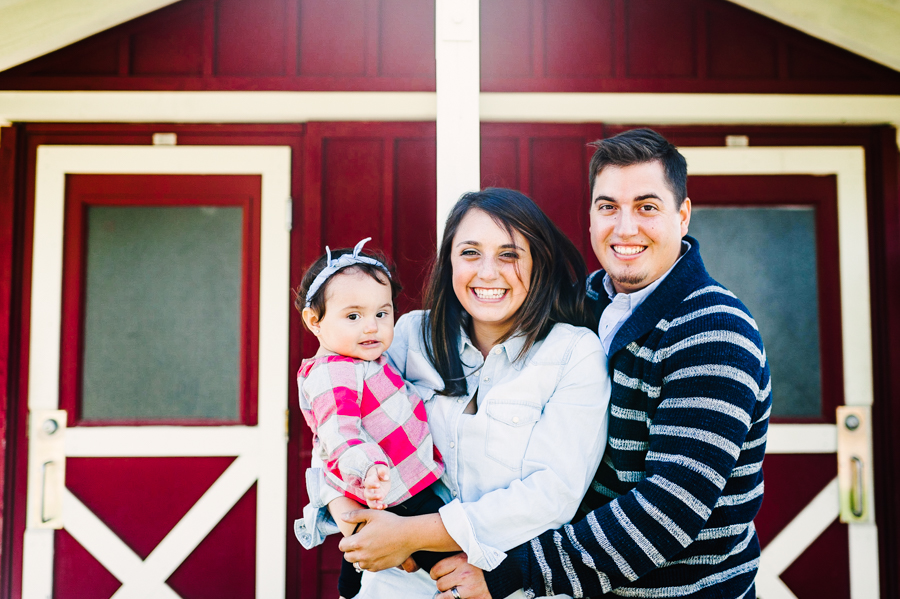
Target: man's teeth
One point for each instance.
(489, 293)
(628, 250)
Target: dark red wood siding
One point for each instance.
(527, 45)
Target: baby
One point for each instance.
(369, 427)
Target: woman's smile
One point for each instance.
(489, 294)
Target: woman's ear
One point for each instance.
(311, 319)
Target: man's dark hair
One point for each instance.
(638, 146)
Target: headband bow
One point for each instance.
(332, 267)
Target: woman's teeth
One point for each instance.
(489, 294)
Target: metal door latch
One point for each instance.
(855, 472)
(46, 468)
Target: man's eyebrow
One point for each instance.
(645, 196)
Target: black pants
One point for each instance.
(423, 502)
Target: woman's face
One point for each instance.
(491, 273)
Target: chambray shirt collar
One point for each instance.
(512, 346)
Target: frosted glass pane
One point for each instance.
(767, 257)
(162, 313)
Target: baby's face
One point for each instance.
(359, 316)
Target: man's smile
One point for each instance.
(628, 250)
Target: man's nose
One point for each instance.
(626, 224)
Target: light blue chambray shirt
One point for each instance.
(521, 464)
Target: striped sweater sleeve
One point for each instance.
(706, 388)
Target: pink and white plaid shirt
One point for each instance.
(362, 413)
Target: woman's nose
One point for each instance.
(487, 269)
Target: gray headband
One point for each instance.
(332, 267)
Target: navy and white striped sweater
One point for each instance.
(670, 511)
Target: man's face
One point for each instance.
(636, 229)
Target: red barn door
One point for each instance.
(157, 369)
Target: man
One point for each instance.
(670, 511)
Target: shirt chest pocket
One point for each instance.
(509, 427)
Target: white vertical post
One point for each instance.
(458, 134)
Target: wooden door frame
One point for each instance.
(16, 246)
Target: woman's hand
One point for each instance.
(382, 543)
(456, 572)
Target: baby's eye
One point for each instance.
(353, 316)
(381, 314)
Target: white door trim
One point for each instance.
(848, 165)
(260, 450)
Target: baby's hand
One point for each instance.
(376, 486)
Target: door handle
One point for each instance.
(855, 472)
(46, 468)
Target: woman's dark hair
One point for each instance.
(556, 292)
(317, 302)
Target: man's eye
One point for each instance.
(605, 208)
(648, 208)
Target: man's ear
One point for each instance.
(685, 213)
(311, 319)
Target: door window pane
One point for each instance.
(162, 313)
(767, 257)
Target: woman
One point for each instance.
(516, 395)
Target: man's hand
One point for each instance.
(456, 571)
(380, 544)
(376, 486)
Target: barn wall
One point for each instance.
(526, 45)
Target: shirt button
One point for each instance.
(486, 379)
(497, 350)
(452, 444)
(515, 418)
(455, 493)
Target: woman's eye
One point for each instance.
(510, 256)
(468, 253)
